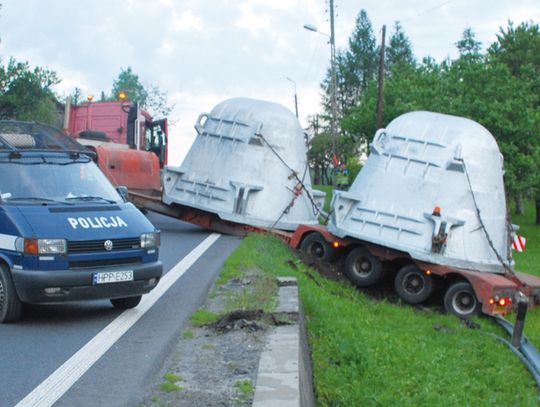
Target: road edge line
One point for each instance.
(63, 378)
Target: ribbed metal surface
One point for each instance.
(99, 245)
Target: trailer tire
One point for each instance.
(460, 300)
(413, 285)
(315, 245)
(363, 268)
(126, 303)
(10, 305)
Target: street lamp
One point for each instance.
(333, 90)
(295, 96)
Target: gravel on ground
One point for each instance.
(209, 366)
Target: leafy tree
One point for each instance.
(354, 166)
(152, 99)
(355, 67)
(468, 46)
(129, 83)
(76, 96)
(399, 49)
(156, 102)
(26, 93)
(407, 88)
(518, 48)
(320, 157)
(362, 52)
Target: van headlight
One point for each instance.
(41, 246)
(150, 240)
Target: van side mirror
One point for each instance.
(123, 192)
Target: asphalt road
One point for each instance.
(47, 336)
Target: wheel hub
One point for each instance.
(413, 283)
(317, 250)
(363, 266)
(463, 302)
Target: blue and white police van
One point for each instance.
(66, 233)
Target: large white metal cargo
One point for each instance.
(248, 165)
(432, 187)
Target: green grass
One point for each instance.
(260, 294)
(203, 317)
(529, 262)
(368, 352)
(172, 378)
(188, 334)
(169, 385)
(229, 271)
(157, 401)
(244, 389)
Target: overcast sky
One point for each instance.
(203, 52)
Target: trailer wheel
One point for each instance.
(315, 245)
(460, 300)
(363, 268)
(10, 305)
(126, 303)
(413, 285)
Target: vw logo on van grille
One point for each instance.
(108, 245)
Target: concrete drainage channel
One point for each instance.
(284, 377)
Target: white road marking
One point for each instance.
(59, 382)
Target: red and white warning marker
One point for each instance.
(519, 243)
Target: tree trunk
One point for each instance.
(518, 199)
(538, 211)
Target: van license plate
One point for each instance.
(112, 277)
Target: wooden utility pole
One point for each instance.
(333, 123)
(380, 82)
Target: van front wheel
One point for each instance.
(10, 305)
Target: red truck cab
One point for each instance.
(131, 147)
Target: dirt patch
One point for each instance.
(332, 271)
(215, 365)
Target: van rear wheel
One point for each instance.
(126, 303)
(10, 305)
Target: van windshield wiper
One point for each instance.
(89, 198)
(36, 199)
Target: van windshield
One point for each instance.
(54, 180)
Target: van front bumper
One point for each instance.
(77, 284)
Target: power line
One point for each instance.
(428, 11)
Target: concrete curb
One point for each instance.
(284, 377)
